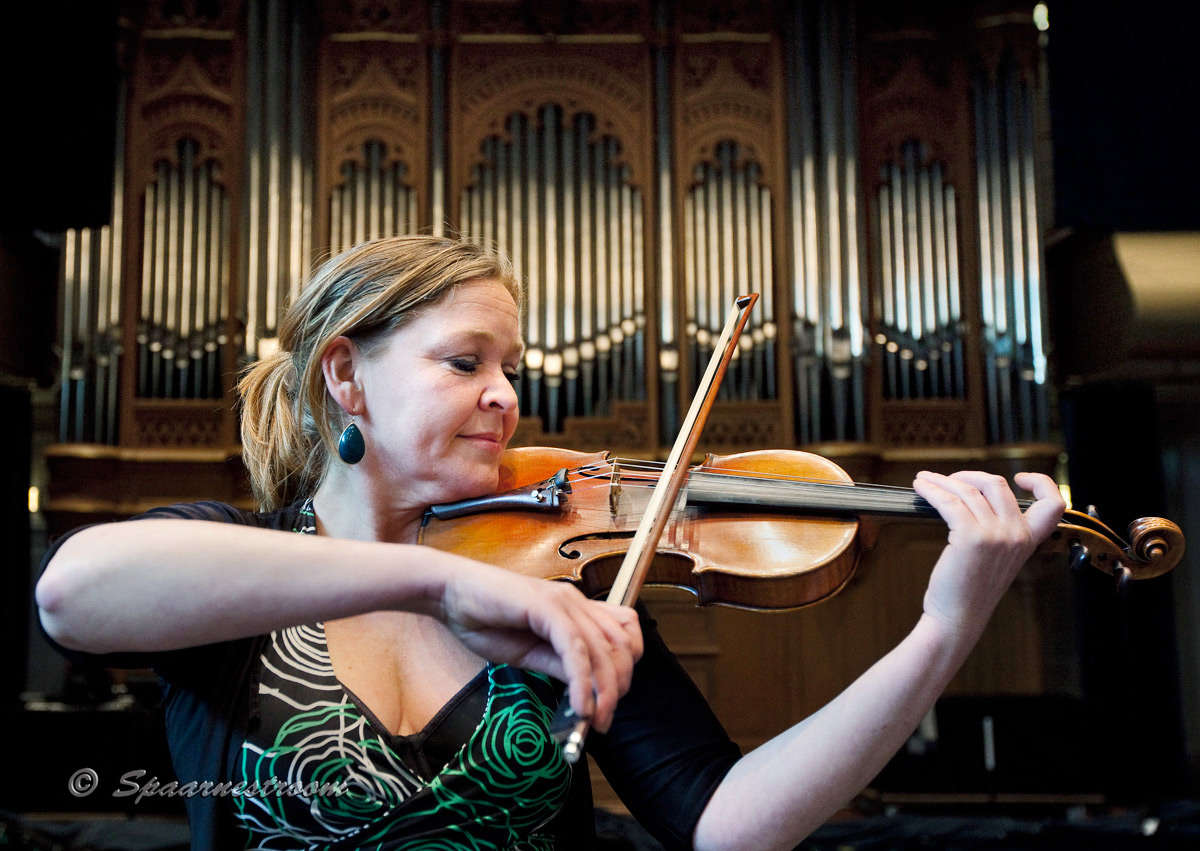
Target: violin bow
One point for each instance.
(567, 727)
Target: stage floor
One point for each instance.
(1174, 825)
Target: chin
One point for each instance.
(473, 484)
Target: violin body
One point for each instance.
(757, 560)
(771, 529)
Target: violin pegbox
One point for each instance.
(1155, 546)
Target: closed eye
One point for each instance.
(468, 366)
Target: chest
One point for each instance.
(403, 668)
(348, 779)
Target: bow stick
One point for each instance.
(567, 727)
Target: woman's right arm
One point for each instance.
(164, 584)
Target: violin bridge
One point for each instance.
(614, 488)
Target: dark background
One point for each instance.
(1125, 114)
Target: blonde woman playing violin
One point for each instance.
(402, 694)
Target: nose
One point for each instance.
(499, 394)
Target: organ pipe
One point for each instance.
(827, 308)
(276, 229)
(920, 322)
(567, 213)
(373, 199)
(727, 222)
(1012, 290)
(184, 278)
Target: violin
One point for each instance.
(768, 530)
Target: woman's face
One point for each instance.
(439, 401)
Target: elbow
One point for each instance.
(57, 594)
(50, 596)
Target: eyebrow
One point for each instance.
(485, 337)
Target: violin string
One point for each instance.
(852, 493)
(858, 487)
(738, 476)
(604, 470)
(651, 466)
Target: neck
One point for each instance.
(350, 504)
(820, 497)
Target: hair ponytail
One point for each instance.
(275, 448)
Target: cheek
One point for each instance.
(511, 418)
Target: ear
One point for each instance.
(339, 365)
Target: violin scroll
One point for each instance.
(1155, 546)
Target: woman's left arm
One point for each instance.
(785, 789)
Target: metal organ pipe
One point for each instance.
(587, 281)
(277, 226)
(827, 308)
(170, 319)
(1010, 256)
(919, 328)
(372, 197)
(766, 286)
(203, 283)
(602, 276)
(848, 366)
(570, 287)
(627, 325)
(552, 314)
(567, 214)
(669, 343)
(300, 178)
(184, 263)
(727, 223)
(638, 307)
(70, 299)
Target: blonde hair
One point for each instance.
(289, 422)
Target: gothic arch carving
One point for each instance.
(380, 101)
(187, 103)
(608, 83)
(728, 92)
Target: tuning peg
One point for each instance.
(1079, 555)
(1124, 578)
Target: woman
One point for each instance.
(420, 681)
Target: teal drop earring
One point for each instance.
(351, 446)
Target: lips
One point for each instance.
(486, 439)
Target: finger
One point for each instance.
(623, 627)
(609, 677)
(554, 621)
(577, 665)
(995, 490)
(624, 634)
(604, 683)
(1047, 511)
(958, 502)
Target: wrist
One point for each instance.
(951, 641)
(418, 579)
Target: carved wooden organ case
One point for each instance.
(873, 170)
